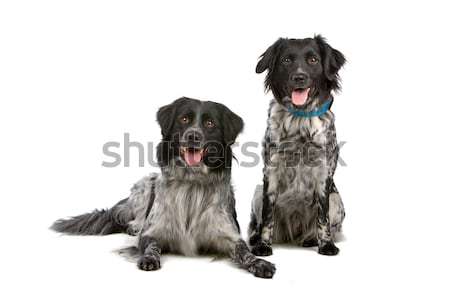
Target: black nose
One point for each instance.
(194, 136)
(299, 77)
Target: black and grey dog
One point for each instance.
(298, 202)
(189, 208)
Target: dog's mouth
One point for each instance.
(192, 156)
(299, 96)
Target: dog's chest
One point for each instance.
(187, 203)
(287, 129)
(182, 214)
(299, 163)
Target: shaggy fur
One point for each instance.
(189, 208)
(298, 201)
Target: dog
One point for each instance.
(298, 201)
(189, 208)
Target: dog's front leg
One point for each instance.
(261, 244)
(150, 254)
(224, 236)
(247, 260)
(324, 238)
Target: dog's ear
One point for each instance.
(232, 125)
(332, 61)
(268, 58)
(166, 116)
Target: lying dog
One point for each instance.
(189, 208)
(298, 202)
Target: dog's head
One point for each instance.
(301, 69)
(197, 134)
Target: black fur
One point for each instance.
(152, 198)
(217, 140)
(324, 75)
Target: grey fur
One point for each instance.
(98, 222)
(187, 215)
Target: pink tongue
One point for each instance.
(299, 97)
(193, 158)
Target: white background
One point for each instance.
(74, 75)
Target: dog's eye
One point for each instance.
(286, 60)
(209, 124)
(312, 60)
(184, 120)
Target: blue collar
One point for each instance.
(309, 114)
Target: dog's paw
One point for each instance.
(254, 239)
(262, 268)
(328, 249)
(149, 263)
(132, 230)
(310, 243)
(262, 249)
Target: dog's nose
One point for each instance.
(299, 77)
(194, 136)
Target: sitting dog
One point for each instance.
(298, 201)
(189, 208)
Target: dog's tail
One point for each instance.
(98, 222)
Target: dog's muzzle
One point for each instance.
(192, 147)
